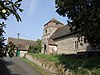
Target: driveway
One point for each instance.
(16, 66)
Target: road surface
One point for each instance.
(16, 66)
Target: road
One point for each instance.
(16, 66)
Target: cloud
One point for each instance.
(32, 6)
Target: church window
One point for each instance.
(76, 44)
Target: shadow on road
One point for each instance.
(3, 68)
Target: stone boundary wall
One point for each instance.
(52, 67)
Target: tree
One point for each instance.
(36, 48)
(7, 8)
(84, 17)
(10, 49)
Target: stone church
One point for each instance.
(57, 38)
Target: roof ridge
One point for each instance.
(21, 39)
(54, 20)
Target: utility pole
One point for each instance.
(17, 53)
(18, 39)
(18, 35)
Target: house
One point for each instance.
(57, 38)
(23, 45)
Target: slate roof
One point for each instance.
(22, 43)
(61, 32)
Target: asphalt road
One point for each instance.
(16, 66)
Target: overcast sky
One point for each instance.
(36, 14)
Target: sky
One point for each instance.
(36, 13)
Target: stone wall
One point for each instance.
(66, 45)
(52, 49)
(51, 67)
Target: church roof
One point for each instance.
(54, 20)
(51, 42)
(61, 32)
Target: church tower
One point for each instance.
(49, 29)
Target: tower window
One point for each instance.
(57, 23)
(45, 31)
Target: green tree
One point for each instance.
(7, 8)
(10, 49)
(36, 48)
(84, 17)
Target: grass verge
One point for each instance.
(51, 58)
(79, 66)
(36, 67)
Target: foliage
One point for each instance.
(36, 48)
(7, 8)
(10, 49)
(2, 45)
(83, 16)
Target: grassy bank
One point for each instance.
(80, 66)
(52, 58)
(36, 67)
